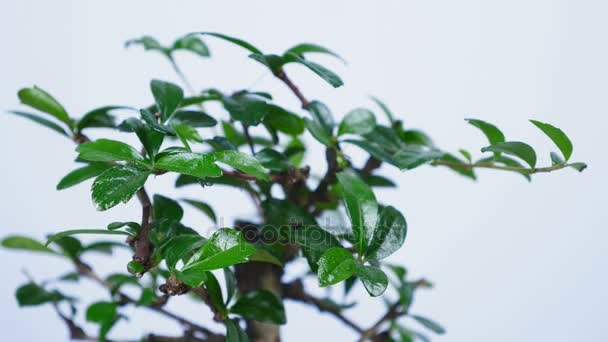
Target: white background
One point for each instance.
(512, 260)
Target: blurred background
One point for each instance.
(511, 260)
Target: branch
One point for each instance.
(295, 291)
(248, 137)
(320, 193)
(487, 165)
(283, 77)
(86, 271)
(142, 241)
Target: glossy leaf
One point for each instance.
(318, 132)
(374, 279)
(283, 120)
(389, 235)
(337, 264)
(150, 139)
(224, 248)
(322, 115)
(558, 137)
(193, 164)
(39, 99)
(272, 160)
(242, 162)
(358, 121)
(42, 121)
(515, 148)
(32, 294)
(82, 174)
(491, 132)
(167, 209)
(102, 312)
(105, 150)
(153, 123)
(262, 306)
(361, 207)
(167, 96)
(192, 44)
(25, 243)
(118, 184)
(99, 117)
(192, 118)
(326, 74)
(246, 108)
(234, 40)
(63, 234)
(305, 48)
(429, 324)
(389, 114)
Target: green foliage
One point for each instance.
(266, 144)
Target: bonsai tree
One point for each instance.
(237, 270)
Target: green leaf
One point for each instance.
(192, 44)
(233, 40)
(246, 108)
(166, 209)
(515, 148)
(384, 108)
(82, 174)
(337, 264)
(40, 120)
(149, 43)
(262, 306)
(374, 280)
(99, 117)
(242, 162)
(135, 267)
(192, 118)
(304, 48)
(43, 101)
(102, 312)
(152, 140)
(283, 120)
(180, 247)
(105, 150)
(580, 167)
(358, 121)
(507, 161)
(273, 62)
(230, 281)
(318, 132)
(63, 234)
(147, 297)
(320, 112)
(215, 292)
(234, 333)
(429, 324)
(361, 206)
(167, 96)
(272, 160)
(32, 294)
(193, 164)
(415, 137)
(556, 159)
(326, 74)
(389, 235)
(560, 138)
(25, 243)
(71, 247)
(224, 248)
(465, 169)
(491, 132)
(118, 184)
(187, 133)
(203, 207)
(156, 126)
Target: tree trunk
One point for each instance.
(254, 276)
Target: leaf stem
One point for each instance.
(488, 165)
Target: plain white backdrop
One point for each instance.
(511, 260)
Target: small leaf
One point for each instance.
(384, 108)
(321, 113)
(273, 62)
(167, 96)
(361, 206)
(272, 160)
(304, 48)
(326, 74)
(515, 148)
(187, 133)
(193, 164)
(32, 294)
(149, 43)
(63, 234)
(192, 44)
(491, 132)
(233, 40)
(203, 207)
(99, 117)
(373, 279)
(234, 332)
(337, 264)
(43, 101)
(283, 120)
(25, 243)
(118, 184)
(580, 167)
(102, 312)
(429, 324)
(166, 209)
(40, 120)
(224, 248)
(242, 162)
(152, 140)
(389, 235)
(192, 118)
(105, 150)
(150, 119)
(246, 108)
(560, 138)
(179, 247)
(358, 121)
(318, 132)
(262, 306)
(556, 159)
(82, 174)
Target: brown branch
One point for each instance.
(321, 191)
(249, 139)
(283, 77)
(86, 271)
(295, 291)
(370, 165)
(142, 241)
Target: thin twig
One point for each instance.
(486, 165)
(142, 241)
(283, 77)
(249, 139)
